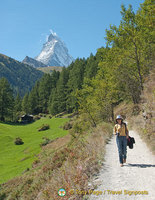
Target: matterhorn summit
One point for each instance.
(54, 52)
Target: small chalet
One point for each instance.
(27, 118)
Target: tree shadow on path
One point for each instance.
(140, 165)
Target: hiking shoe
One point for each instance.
(121, 164)
(124, 160)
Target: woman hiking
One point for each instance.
(122, 134)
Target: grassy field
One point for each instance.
(14, 159)
(49, 69)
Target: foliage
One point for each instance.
(45, 142)
(68, 126)
(25, 103)
(22, 77)
(17, 110)
(94, 86)
(18, 141)
(44, 127)
(2, 196)
(6, 100)
(123, 65)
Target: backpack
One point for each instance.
(130, 142)
(125, 127)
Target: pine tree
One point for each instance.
(25, 103)
(17, 107)
(91, 66)
(47, 83)
(33, 99)
(6, 100)
(76, 77)
(53, 102)
(58, 96)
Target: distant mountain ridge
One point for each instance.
(33, 62)
(22, 77)
(54, 53)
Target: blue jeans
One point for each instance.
(122, 147)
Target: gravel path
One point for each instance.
(138, 174)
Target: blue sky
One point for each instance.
(81, 24)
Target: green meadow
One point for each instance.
(14, 159)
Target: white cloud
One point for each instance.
(47, 37)
(54, 33)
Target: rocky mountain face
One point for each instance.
(54, 52)
(33, 62)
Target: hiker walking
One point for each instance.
(122, 134)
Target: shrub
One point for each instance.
(2, 196)
(136, 110)
(81, 124)
(18, 141)
(36, 161)
(40, 114)
(67, 126)
(37, 117)
(44, 127)
(45, 142)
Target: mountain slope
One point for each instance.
(33, 62)
(22, 77)
(16, 159)
(50, 69)
(54, 52)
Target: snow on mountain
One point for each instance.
(33, 62)
(54, 52)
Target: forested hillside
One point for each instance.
(92, 87)
(55, 93)
(95, 85)
(116, 73)
(22, 77)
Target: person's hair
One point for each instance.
(121, 121)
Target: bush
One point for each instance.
(2, 196)
(45, 142)
(37, 117)
(44, 127)
(81, 124)
(136, 110)
(40, 114)
(18, 141)
(67, 126)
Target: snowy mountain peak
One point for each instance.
(54, 52)
(52, 36)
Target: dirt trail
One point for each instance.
(138, 174)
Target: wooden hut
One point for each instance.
(27, 118)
